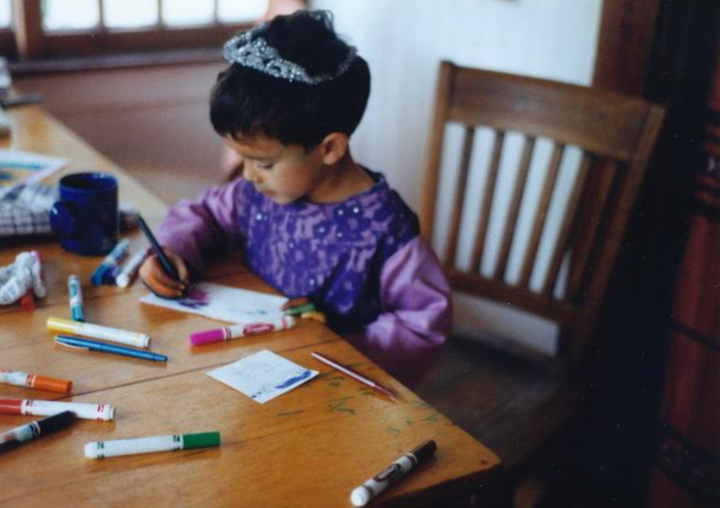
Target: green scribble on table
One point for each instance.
(434, 418)
(394, 431)
(335, 381)
(339, 405)
(291, 413)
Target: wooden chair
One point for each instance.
(508, 403)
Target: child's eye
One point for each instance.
(265, 165)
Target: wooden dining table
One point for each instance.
(309, 447)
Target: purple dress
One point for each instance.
(361, 261)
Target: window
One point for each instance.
(5, 14)
(70, 28)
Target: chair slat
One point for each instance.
(543, 206)
(561, 245)
(514, 211)
(437, 136)
(488, 197)
(604, 180)
(469, 139)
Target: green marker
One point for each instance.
(118, 447)
(300, 309)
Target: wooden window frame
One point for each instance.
(27, 41)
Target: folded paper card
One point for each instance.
(263, 376)
(224, 303)
(18, 167)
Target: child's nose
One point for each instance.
(250, 173)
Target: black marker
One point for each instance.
(402, 466)
(166, 264)
(32, 430)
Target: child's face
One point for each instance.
(283, 173)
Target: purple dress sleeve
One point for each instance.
(416, 317)
(194, 228)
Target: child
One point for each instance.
(309, 220)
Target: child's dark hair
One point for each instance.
(246, 102)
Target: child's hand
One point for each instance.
(160, 283)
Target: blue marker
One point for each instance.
(76, 300)
(103, 347)
(110, 260)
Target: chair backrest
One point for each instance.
(613, 136)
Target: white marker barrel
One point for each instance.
(134, 446)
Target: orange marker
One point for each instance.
(19, 378)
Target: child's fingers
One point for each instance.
(158, 281)
(295, 302)
(181, 267)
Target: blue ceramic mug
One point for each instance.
(86, 216)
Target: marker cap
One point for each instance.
(201, 440)
(52, 384)
(78, 314)
(207, 337)
(424, 451)
(60, 325)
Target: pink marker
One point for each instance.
(235, 331)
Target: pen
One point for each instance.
(391, 474)
(235, 331)
(102, 347)
(118, 447)
(99, 332)
(32, 430)
(359, 377)
(19, 378)
(110, 260)
(164, 261)
(76, 299)
(51, 407)
(130, 269)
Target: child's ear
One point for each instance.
(334, 147)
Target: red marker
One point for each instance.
(235, 331)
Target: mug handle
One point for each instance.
(62, 218)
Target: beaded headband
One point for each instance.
(250, 50)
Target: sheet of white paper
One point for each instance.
(224, 303)
(263, 376)
(18, 167)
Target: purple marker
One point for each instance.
(235, 331)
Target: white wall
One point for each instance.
(404, 41)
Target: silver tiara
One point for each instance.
(251, 50)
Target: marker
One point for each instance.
(119, 447)
(355, 375)
(76, 299)
(32, 430)
(394, 472)
(109, 275)
(19, 378)
(166, 264)
(27, 302)
(110, 260)
(83, 410)
(102, 347)
(300, 309)
(98, 332)
(130, 269)
(235, 331)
